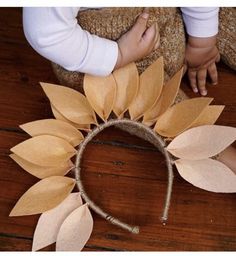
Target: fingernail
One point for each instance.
(203, 92)
(145, 15)
(195, 90)
(214, 83)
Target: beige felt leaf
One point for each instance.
(181, 116)
(150, 86)
(43, 196)
(202, 142)
(45, 150)
(75, 230)
(208, 116)
(168, 95)
(101, 93)
(54, 127)
(50, 221)
(59, 116)
(42, 172)
(207, 174)
(127, 81)
(70, 103)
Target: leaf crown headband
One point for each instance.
(184, 133)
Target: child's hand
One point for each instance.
(200, 58)
(138, 42)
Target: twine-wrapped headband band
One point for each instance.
(144, 132)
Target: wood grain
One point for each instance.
(122, 173)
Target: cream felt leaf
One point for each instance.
(181, 116)
(54, 127)
(167, 98)
(207, 174)
(50, 221)
(45, 150)
(70, 103)
(59, 116)
(150, 86)
(43, 196)
(127, 81)
(208, 116)
(42, 172)
(101, 93)
(75, 230)
(202, 142)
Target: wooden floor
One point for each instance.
(125, 175)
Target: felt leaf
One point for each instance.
(150, 86)
(202, 142)
(181, 116)
(43, 196)
(75, 230)
(45, 150)
(50, 221)
(207, 174)
(208, 116)
(101, 93)
(59, 116)
(54, 127)
(72, 104)
(42, 172)
(167, 98)
(127, 81)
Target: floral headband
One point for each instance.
(143, 105)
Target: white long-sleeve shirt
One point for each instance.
(55, 34)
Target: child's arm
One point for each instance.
(55, 34)
(201, 51)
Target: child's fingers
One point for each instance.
(140, 25)
(192, 76)
(201, 80)
(150, 38)
(212, 71)
(218, 57)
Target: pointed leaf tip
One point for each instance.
(43, 196)
(150, 87)
(207, 174)
(181, 116)
(202, 142)
(101, 93)
(70, 103)
(56, 128)
(50, 221)
(45, 150)
(75, 230)
(42, 172)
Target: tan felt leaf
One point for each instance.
(207, 174)
(45, 150)
(43, 196)
(42, 172)
(59, 116)
(75, 230)
(50, 221)
(208, 116)
(167, 98)
(101, 93)
(181, 116)
(54, 127)
(70, 103)
(202, 142)
(127, 81)
(150, 86)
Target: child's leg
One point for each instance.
(228, 157)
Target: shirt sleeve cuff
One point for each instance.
(204, 25)
(101, 56)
